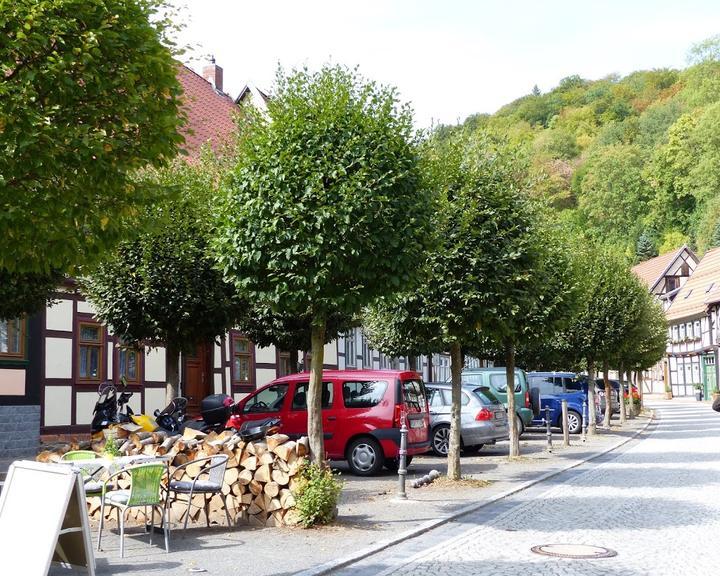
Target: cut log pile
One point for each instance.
(259, 482)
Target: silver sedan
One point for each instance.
(483, 419)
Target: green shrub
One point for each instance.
(317, 495)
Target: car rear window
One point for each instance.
(414, 394)
(299, 401)
(499, 382)
(365, 394)
(485, 395)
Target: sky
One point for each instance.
(451, 58)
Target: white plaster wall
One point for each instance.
(84, 404)
(330, 353)
(217, 384)
(85, 307)
(155, 364)
(238, 397)
(227, 379)
(264, 375)
(217, 356)
(12, 382)
(60, 316)
(135, 403)
(227, 346)
(265, 355)
(58, 406)
(154, 400)
(58, 359)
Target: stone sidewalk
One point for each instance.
(370, 516)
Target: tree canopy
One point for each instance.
(163, 287)
(88, 96)
(325, 210)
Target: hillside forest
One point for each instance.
(634, 161)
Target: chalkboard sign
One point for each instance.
(43, 519)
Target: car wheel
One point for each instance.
(393, 464)
(519, 425)
(574, 422)
(441, 440)
(365, 457)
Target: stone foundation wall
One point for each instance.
(19, 432)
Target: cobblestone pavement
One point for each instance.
(656, 503)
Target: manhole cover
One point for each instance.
(576, 551)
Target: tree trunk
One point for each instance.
(314, 397)
(608, 395)
(592, 420)
(640, 388)
(514, 450)
(621, 392)
(294, 361)
(412, 363)
(631, 403)
(172, 372)
(453, 465)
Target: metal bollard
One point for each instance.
(548, 432)
(402, 468)
(566, 431)
(584, 420)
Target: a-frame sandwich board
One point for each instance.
(43, 519)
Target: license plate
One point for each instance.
(500, 415)
(416, 423)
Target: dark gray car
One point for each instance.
(483, 419)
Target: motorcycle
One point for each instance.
(109, 407)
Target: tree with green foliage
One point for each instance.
(265, 327)
(26, 293)
(483, 271)
(162, 288)
(324, 211)
(646, 339)
(88, 95)
(613, 194)
(645, 247)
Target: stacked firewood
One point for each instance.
(259, 481)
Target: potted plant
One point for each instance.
(698, 392)
(668, 392)
(715, 393)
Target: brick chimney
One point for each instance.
(213, 74)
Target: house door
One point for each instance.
(197, 378)
(709, 377)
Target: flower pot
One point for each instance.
(668, 396)
(698, 395)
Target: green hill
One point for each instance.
(634, 160)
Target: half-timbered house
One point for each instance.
(692, 350)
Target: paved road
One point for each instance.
(656, 503)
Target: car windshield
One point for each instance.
(485, 395)
(472, 378)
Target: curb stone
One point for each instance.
(329, 567)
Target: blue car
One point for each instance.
(553, 388)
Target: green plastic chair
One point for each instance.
(145, 484)
(92, 486)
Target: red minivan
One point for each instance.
(361, 414)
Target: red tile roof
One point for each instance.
(210, 114)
